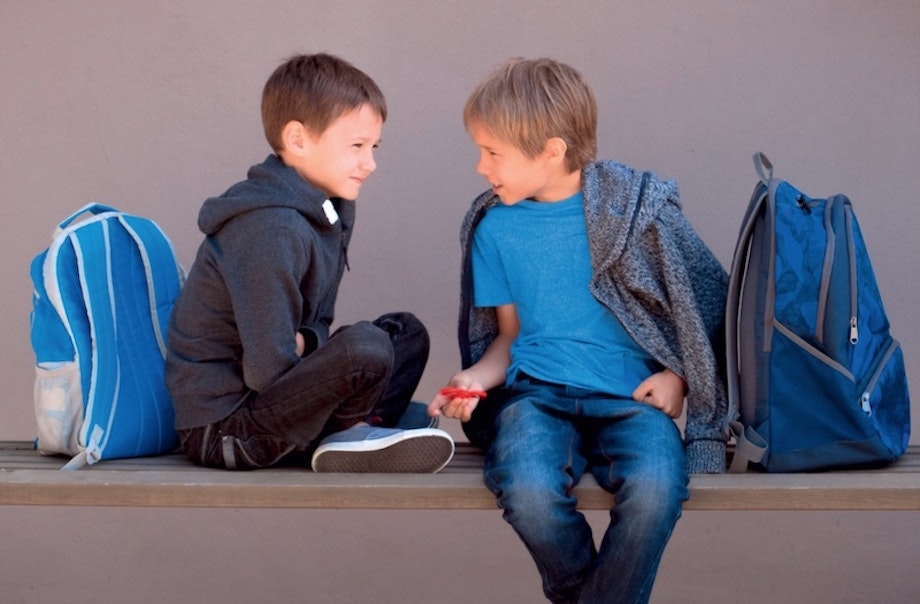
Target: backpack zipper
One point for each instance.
(875, 376)
(851, 251)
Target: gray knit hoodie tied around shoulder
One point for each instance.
(652, 270)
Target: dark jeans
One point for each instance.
(365, 372)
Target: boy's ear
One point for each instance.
(294, 138)
(555, 149)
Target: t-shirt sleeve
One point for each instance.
(490, 285)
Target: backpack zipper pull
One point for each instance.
(854, 331)
(864, 403)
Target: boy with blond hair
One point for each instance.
(590, 311)
(255, 375)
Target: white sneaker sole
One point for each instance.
(420, 451)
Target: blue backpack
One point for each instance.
(815, 379)
(103, 292)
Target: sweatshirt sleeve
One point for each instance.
(267, 304)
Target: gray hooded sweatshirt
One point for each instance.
(270, 265)
(651, 269)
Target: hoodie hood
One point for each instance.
(271, 184)
(622, 203)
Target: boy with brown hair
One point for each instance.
(591, 308)
(253, 370)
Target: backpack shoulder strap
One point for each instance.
(164, 275)
(759, 199)
(749, 447)
(93, 241)
(747, 441)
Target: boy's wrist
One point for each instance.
(310, 341)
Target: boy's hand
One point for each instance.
(299, 343)
(663, 390)
(458, 399)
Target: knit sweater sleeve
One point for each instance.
(697, 286)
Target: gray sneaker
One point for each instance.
(368, 449)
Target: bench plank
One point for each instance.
(28, 478)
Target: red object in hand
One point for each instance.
(462, 393)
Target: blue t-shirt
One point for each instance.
(535, 255)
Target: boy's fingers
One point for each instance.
(468, 410)
(434, 408)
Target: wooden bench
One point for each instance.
(28, 478)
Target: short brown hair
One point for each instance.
(527, 102)
(315, 90)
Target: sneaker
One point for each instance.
(416, 416)
(368, 449)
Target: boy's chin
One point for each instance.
(345, 195)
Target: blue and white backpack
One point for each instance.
(814, 377)
(103, 292)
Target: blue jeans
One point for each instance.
(364, 372)
(547, 436)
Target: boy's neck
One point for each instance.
(565, 186)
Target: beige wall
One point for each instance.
(153, 106)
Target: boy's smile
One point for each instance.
(515, 177)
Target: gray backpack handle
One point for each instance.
(764, 167)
